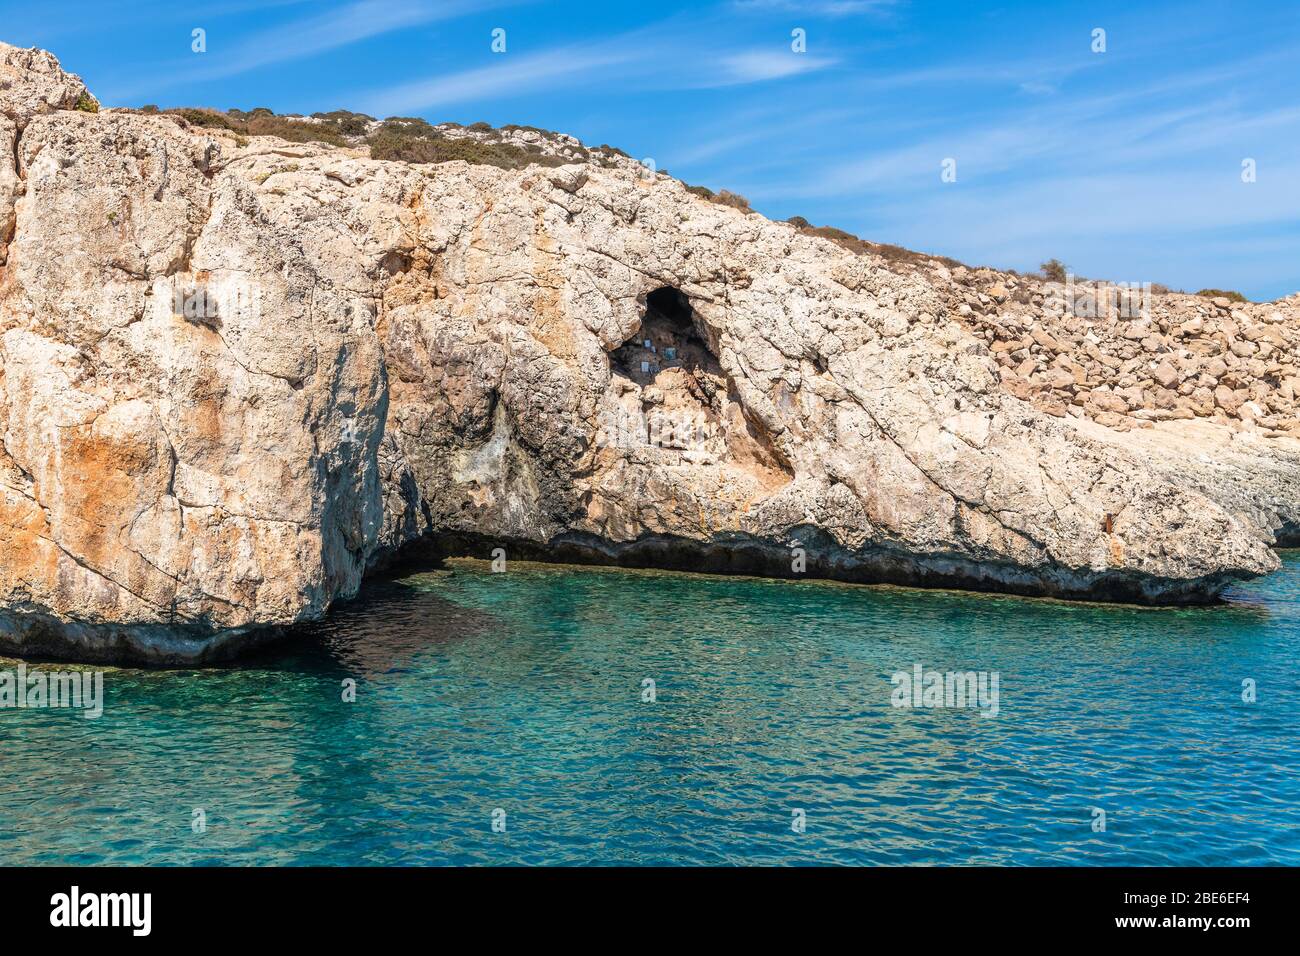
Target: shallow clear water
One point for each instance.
(523, 691)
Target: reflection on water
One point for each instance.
(523, 691)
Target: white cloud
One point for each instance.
(754, 66)
(824, 8)
(517, 75)
(645, 59)
(329, 31)
(300, 39)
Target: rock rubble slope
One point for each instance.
(237, 373)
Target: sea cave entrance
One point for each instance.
(666, 339)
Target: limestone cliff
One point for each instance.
(236, 373)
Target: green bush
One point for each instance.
(412, 140)
(411, 125)
(735, 200)
(1055, 270)
(210, 119)
(724, 197)
(346, 122)
(87, 103)
(262, 122)
(391, 144)
(295, 131)
(1223, 294)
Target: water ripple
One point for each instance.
(523, 691)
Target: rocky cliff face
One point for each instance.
(236, 373)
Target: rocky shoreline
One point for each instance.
(37, 636)
(238, 374)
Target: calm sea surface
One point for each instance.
(523, 692)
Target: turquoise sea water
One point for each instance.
(523, 692)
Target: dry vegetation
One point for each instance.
(414, 140)
(892, 254)
(724, 197)
(262, 122)
(404, 139)
(1223, 294)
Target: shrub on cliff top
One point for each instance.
(295, 131)
(735, 200)
(1223, 294)
(413, 140)
(1054, 270)
(724, 197)
(887, 251)
(262, 122)
(846, 239)
(209, 119)
(346, 122)
(87, 103)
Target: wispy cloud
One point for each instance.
(1037, 88)
(824, 8)
(672, 55)
(334, 29)
(751, 132)
(326, 31)
(307, 37)
(552, 69)
(754, 66)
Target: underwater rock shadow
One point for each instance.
(384, 629)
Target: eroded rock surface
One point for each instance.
(237, 373)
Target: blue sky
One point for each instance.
(1126, 164)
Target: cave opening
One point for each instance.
(672, 305)
(672, 395)
(666, 339)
